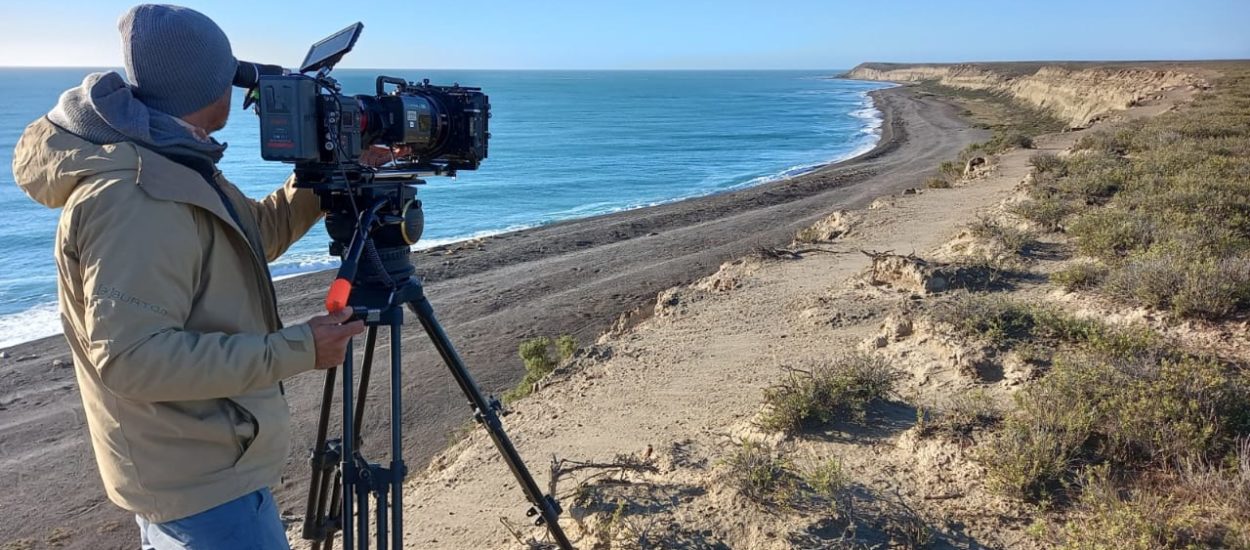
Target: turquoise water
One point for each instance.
(565, 144)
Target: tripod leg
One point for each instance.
(380, 517)
(544, 506)
(347, 467)
(314, 518)
(362, 516)
(336, 507)
(398, 470)
(366, 367)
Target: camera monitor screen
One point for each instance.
(328, 51)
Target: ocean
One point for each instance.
(565, 144)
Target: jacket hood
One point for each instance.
(49, 162)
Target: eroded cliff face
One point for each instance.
(1077, 96)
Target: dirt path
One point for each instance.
(573, 277)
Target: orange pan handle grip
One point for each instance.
(336, 299)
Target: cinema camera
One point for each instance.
(373, 218)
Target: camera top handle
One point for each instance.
(384, 80)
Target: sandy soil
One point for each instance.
(573, 277)
(679, 392)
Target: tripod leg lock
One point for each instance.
(551, 502)
(327, 458)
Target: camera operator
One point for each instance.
(164, 290)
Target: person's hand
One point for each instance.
(330, 335)
(378, 155)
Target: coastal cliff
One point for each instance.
(828, 394)
(1077, 95)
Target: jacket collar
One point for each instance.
(164, 179)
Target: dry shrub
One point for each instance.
(760, 475)
(1079, 276)
(1013, 240)
(1128, 412)
(837, 389)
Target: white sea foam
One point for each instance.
(870, 114)
(32, 324)
(425, 244)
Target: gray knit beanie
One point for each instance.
(177, 59)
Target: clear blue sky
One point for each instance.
(664, 34)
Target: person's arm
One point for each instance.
(140, 264)
(285, 216)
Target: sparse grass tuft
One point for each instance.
(1013, 240)
(827, 480)
(809, 235)
(1008, 324)
(937, 183)
(760, 475)
(1079, 276)
(951, 170)
(1048, 163)
(964, 413)
(841, 388)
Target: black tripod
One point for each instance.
(342, 479)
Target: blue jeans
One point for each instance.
(249, 522)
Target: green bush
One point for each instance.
(1043, 441)
(1111, 234)
(827, 479)
(1049, 212)
(567, 345)
(536, 356)
(1094, 178)
(1187, 284)
(937, 183)
(1203, 511)
(841, 388)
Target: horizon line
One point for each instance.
(627, 69)
(476, 68)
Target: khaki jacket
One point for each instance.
(171, 318)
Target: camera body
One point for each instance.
(306, 122)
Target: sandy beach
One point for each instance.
(575, 277)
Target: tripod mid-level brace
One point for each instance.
(343, 481)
